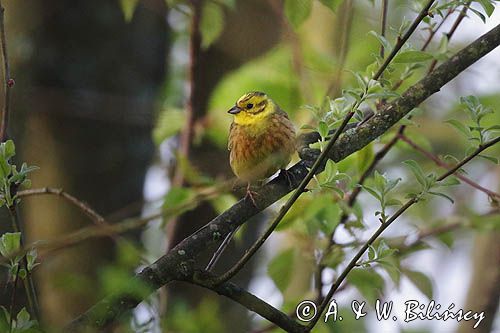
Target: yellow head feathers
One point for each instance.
(252, 107)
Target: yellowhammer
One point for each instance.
(261, 138)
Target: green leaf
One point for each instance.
(488, 7)
(490, 158)
(22, 273)
(372, 191)
(361, 82)
(212, 23)
(177, 196)
(10, 242)
(23, 321)
(31, 259)
(417, 171)
(368, 282)
(393, 202)
(478, 13)
(323, 129)
(333, 257)
(371, 253)
(297, 11)
(450, 181)
(332, 4)
(128, 8)
(494, 127)
(447, 239)
(439, 194)
(383, 41)
(379, 181)
(10, 149)
(170, 121)
(116, 280)
(280, 269)
(4, 319)
(411, 57)
(364, 157)
(421, 281)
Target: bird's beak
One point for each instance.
(234, 110)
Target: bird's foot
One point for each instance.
(251, 195)
(290, 177)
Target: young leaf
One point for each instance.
(488, 7)
(297, 11)
(421, 281)
(4, 319)
(323, 129)
(212, 23)
(332, 4)
(439, 194)
(128, 8)
(333, 257)
(417, 171)
(372, 191)
(280, 269)
(490, 158)
(411, 57)
(383, 41)
(368, 282)
(10, 242)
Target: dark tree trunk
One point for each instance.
(83, 107)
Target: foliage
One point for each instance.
(11, 178)
(329, 224)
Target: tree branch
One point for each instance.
(444, 165)
(179, 263)
(385, 225)
(248, 300)
(85, 208)
(8, 81)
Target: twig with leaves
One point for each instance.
(427, 182)
(180, 262)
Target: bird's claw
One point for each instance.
(250, 195)
(290, 177)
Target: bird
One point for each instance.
(262, 139)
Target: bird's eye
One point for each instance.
(249, 106)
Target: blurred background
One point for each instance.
(123, 104)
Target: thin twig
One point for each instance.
(461, 16)
(444, 165)
(13, 299)
(217, 254)
(383, 24)
(300, 189)
(8, 81)
(436, 29)
(378, 157)
(345, 25)
(179, 263)
(321, 159)
(83, 206)
(29, 286)
(108, 230)
(423, 13)
(385, 225)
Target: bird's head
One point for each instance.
(252, 107)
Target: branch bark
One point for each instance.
(179, 263)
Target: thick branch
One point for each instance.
(179, 263)
(248, 300)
